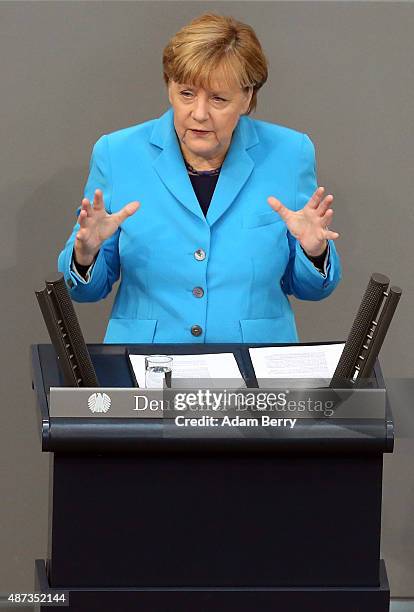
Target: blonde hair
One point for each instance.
(212, 42)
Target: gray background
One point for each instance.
(342, 72)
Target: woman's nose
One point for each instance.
(200, 110)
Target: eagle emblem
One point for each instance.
(99, 402)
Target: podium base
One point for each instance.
(220, 599)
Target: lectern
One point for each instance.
(140, 521)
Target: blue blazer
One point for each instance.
(241, 255)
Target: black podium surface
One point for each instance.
(158, 523)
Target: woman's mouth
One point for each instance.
(200, 132)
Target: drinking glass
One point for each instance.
(158, 370)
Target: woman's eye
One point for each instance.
(217, 99)
(186, 94)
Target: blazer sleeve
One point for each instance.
(301, 278)
(106, 269)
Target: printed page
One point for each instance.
(311, 366)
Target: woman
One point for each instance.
(184, 207)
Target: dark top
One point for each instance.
(204, 183)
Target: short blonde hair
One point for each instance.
(213, 41)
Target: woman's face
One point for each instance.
(205, 119)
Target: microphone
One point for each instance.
(66, 335)
(367, 333)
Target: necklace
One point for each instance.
(195, 172)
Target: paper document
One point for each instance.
(205, 366)
(315, 363)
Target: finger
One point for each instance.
(86, 206)
(127, 211)
(331, 235)
(316, 197)
(277, 205)
(82, 219)
(327, 232)
(326, 219)
(98, 201)
(325, 204)
(82, 235)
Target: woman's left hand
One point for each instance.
(310, 224)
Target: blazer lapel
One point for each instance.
(170, 166)
(236, 169)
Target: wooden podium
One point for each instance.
(140, 521)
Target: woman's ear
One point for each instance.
(249, 95)
(169, 91)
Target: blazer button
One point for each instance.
(196, 330)
(198, 292)
(70, 283)
(199, 254)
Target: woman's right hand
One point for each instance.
(96, 225)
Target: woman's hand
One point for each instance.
(96, 225)
(309, 225)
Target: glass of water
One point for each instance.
(158, 370)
